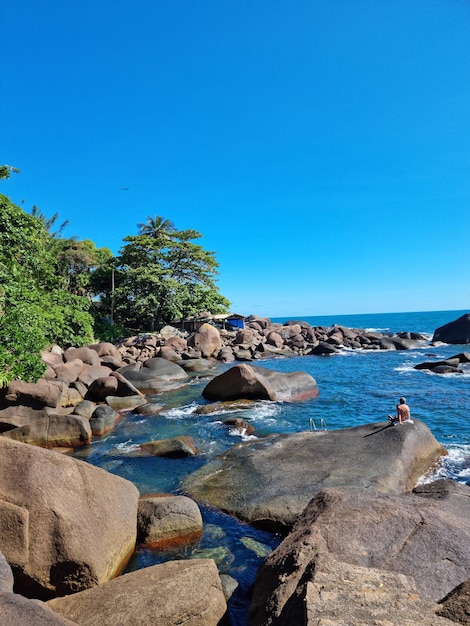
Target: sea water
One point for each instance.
(355, 387)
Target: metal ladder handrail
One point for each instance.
(313, 426)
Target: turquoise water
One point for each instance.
(355, 388)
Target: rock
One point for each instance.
(35, 395)
(176, 447)
(222, 407)
(176, 592)
(275, 339)
(167, 352)
(6, 575)
(340, 593)
(240, 425)
(150, 409)
(85, 408)
(125, 403)
(70, 371)
(102, 420)
(90, 373)
(54, 431)
(206, 340)
(430, 365)
(102, 387)
(105, 349)
(178, 344)
(456, 605)
(64, 524)
(85, 354)
(269, 481)
(446, 369)
(250, 382)
(157, 374)
(229, 585)
(15, 610)
(323, 348)
(419, 536)
(52, 359)
(196, 366)
(168, 522)
(457, 331)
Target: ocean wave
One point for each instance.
(454, 466)
(180, 411)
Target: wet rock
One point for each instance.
(103, 420)
(168, 521)
(175, 447)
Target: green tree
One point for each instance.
(49, 222)
(162, 274)
(34, 309)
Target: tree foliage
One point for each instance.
(160, 274)
(35, 310)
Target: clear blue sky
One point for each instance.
(322, 148)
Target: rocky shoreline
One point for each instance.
(68, 528)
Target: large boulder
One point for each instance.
(176, 592)
(35, 395)
(207, 340)
(457, 331)
(423, 535)
(270, 481)
(245, 381)
(64, 524)
(54, 431)
(155, 375)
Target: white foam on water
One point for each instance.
(127, 446)
(180, 411)
(455, 465)
(236, 432)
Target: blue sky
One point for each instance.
(321, 148)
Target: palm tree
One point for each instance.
(49, 221)
(157, 228)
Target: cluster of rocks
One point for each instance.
(67, 527)
(452, 365)
(362, 544)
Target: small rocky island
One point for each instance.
(363, 543)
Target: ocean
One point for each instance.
(355, 387)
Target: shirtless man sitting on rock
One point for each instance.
(403, 413)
